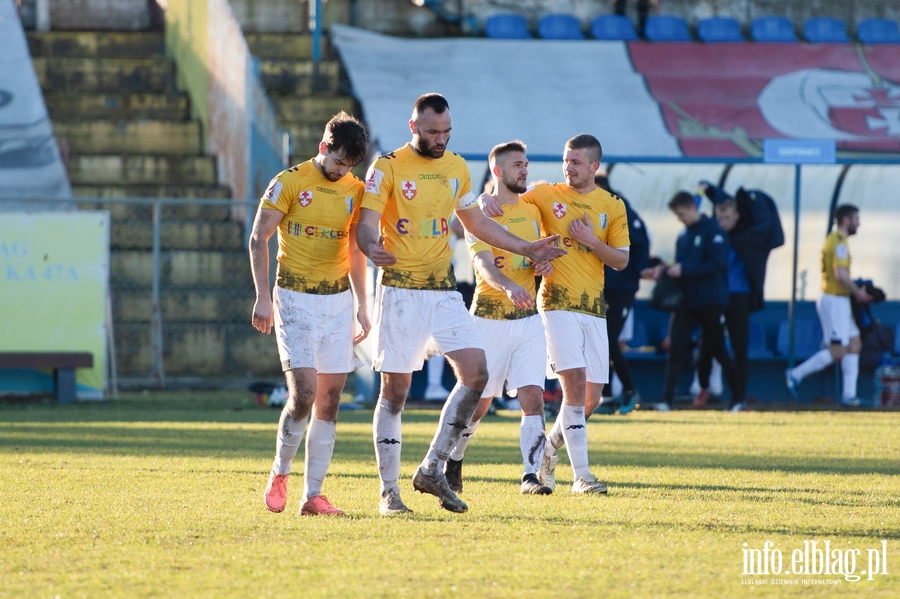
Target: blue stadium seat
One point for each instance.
(757, 348)
(613, 27)
(507, 27)
(667, 28)
(719, 29)
(808, 338)
(825, 30)
(559, 27)
(897, 339)
(878, 31)
(639, 337)
(772, 29)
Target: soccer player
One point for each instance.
(411, 194)
(314, 206)
(839, 330)
(593, 224)
(504, 312)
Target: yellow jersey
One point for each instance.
(416, 197)
(835, 252)
(314, 235)
(522, 220)
(576, 283)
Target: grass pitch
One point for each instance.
(160, 495)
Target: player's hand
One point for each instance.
(543, 269)
(654, 272)
(674, 270)
(263, 315)
(582, 230)
(544, 250)
(362, 317)
(490, 205)
(379, 256)
(520, 297)
(861, 295)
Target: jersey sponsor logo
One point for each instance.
(349, 204)
(428, 227)
(273, 191)
(373, 180)
(296, 229)
(326, 190)
(603, 221)
(429, 176)
(467, 201)
(513, 261)
(408, 189)
(305, 198)
(559, 209)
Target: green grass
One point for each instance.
(160, 495)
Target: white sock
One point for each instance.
(287, 443)
(819, 360)
(575, 433)
(555, 438)
(387, 433)
(616, 385)
(319, 447)
(435, 370)
(531, 442)
(455, 418)
(850, 372)
(459, 451)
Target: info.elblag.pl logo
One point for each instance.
(815, 562)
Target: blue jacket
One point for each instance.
(702, 251)
(629, 278)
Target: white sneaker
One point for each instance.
(851, 402)
(436, 393)
(661, 407)
(738, 407)
(589, 484)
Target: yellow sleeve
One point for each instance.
(379, 184)
(278, 195)
(618, 227)
(841, 255)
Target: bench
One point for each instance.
(63, 365)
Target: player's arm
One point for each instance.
(369, 240)
(582, 230)
(264, 225)
(842, 273)
(358, 283)
(488, 231)
(487, 270)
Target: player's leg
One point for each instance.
(301, 385)
(713, 332)
(683, 323)
(831, 340)
(850, 339)
(453, 468)
(531, 438)
(320, 444)
(737, 319)
(387, 433)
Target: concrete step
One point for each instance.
(139, 137)
(305, 138)
(96, 44)
(152, 191)
(283, 46)
(206, 268)
(91, 75)
(178, 235)
(117, 106)
(287, 77)
(316, 109)
(143, 211)
(142, 170)
(198, 349)
(185, 305)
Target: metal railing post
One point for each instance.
(156, 333)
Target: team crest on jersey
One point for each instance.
(559, 209)
(349, 204)
(408, 189)
(305, 198)
(603, 221)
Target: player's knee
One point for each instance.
(300, 402)
(479, 377)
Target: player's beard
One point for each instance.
(851, 230)
(422, 147)
(513, 185)
(333, 177)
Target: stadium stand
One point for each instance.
(613, 27)
(559, 27)
(507, 27)
(808, 338)
(639, 338)
(825, 30)
(719, 29)
(772, 29)
(878, 31)
(667, 28)
(757, 348)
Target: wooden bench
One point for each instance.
(63, 365)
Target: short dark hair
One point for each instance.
(586, 142)
(434, 101)
(844, 211)
(506, 148)
(727, 203)
(344, 134)
(682, 199)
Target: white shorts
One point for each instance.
(516, 353)
(836, 317)
(414, 324)
(315, 331)
(576, 340)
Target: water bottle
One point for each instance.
(890, 391)
(878, 399)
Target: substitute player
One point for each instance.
(504, 312)
(593, 225)
(839, 330)
(411, 194)
(314, 206)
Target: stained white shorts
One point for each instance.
(516, 353)
(576, 340)
(414, 324)
(315, 331)
(836, 317)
